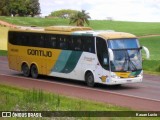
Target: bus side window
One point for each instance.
(40, 40)
(50, 41)
(70, 44)
(53, 41)
(25, 41)
(11, 38)
(63, 43)
(88, 44)
(77, 43)
(18, 38)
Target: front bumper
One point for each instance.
(116, 81)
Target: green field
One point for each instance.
(46, 101)
(153, 64)
(137, 28)
(17, 99)
(3, 52)
(153, 44)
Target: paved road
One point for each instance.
(141, 96)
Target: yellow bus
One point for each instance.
(77, 53)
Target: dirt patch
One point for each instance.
(6, 24)
(145, 36)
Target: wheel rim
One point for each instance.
(25, 70)
(34, 71)
(90, 80)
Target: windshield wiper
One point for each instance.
(130, 63)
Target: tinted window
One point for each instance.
(102, 53)
(65, 42)
(82, 43)
(62, 42)
(77, 43)
(89, 44)
(123, 43)
(27, 39)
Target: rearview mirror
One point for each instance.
(147, 52)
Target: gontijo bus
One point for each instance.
(77, 53)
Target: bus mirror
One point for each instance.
(147, 52)
(111, 55)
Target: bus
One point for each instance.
(78, 53)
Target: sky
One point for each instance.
(123, 10)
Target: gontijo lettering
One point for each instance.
(39, 53)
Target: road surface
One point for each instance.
(137, 96)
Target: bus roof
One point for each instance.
(67, 28)
(76, 30)
(106, 34)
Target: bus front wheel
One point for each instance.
(89, 78)
(25, 70)
(34, 71)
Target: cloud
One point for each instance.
(130, 10)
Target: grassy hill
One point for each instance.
(137, 28)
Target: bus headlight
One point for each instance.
(113, 75)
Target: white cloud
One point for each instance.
(130, 10)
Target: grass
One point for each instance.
(137, 28)
(152, 66)
(29, 21)
(152, 43)
(3, 53)
(16, 99)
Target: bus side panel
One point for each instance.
(89, 63)
(31, 55)
(13, 57)
(51, 62)
(65, 64)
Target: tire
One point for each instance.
(34, 71)
(89, 78)
(25, 70)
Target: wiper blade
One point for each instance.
(133, 64)
(130, 62)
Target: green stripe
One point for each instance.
(72, 62)
(135, 73)
(62, 60)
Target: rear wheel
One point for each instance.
(34, 71)
(89, 78)
(25, 70)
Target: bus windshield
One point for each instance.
(127, 55)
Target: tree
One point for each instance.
(4, 7)
(33, 7)
(64, 13)
(80, 18)
(19, 7)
